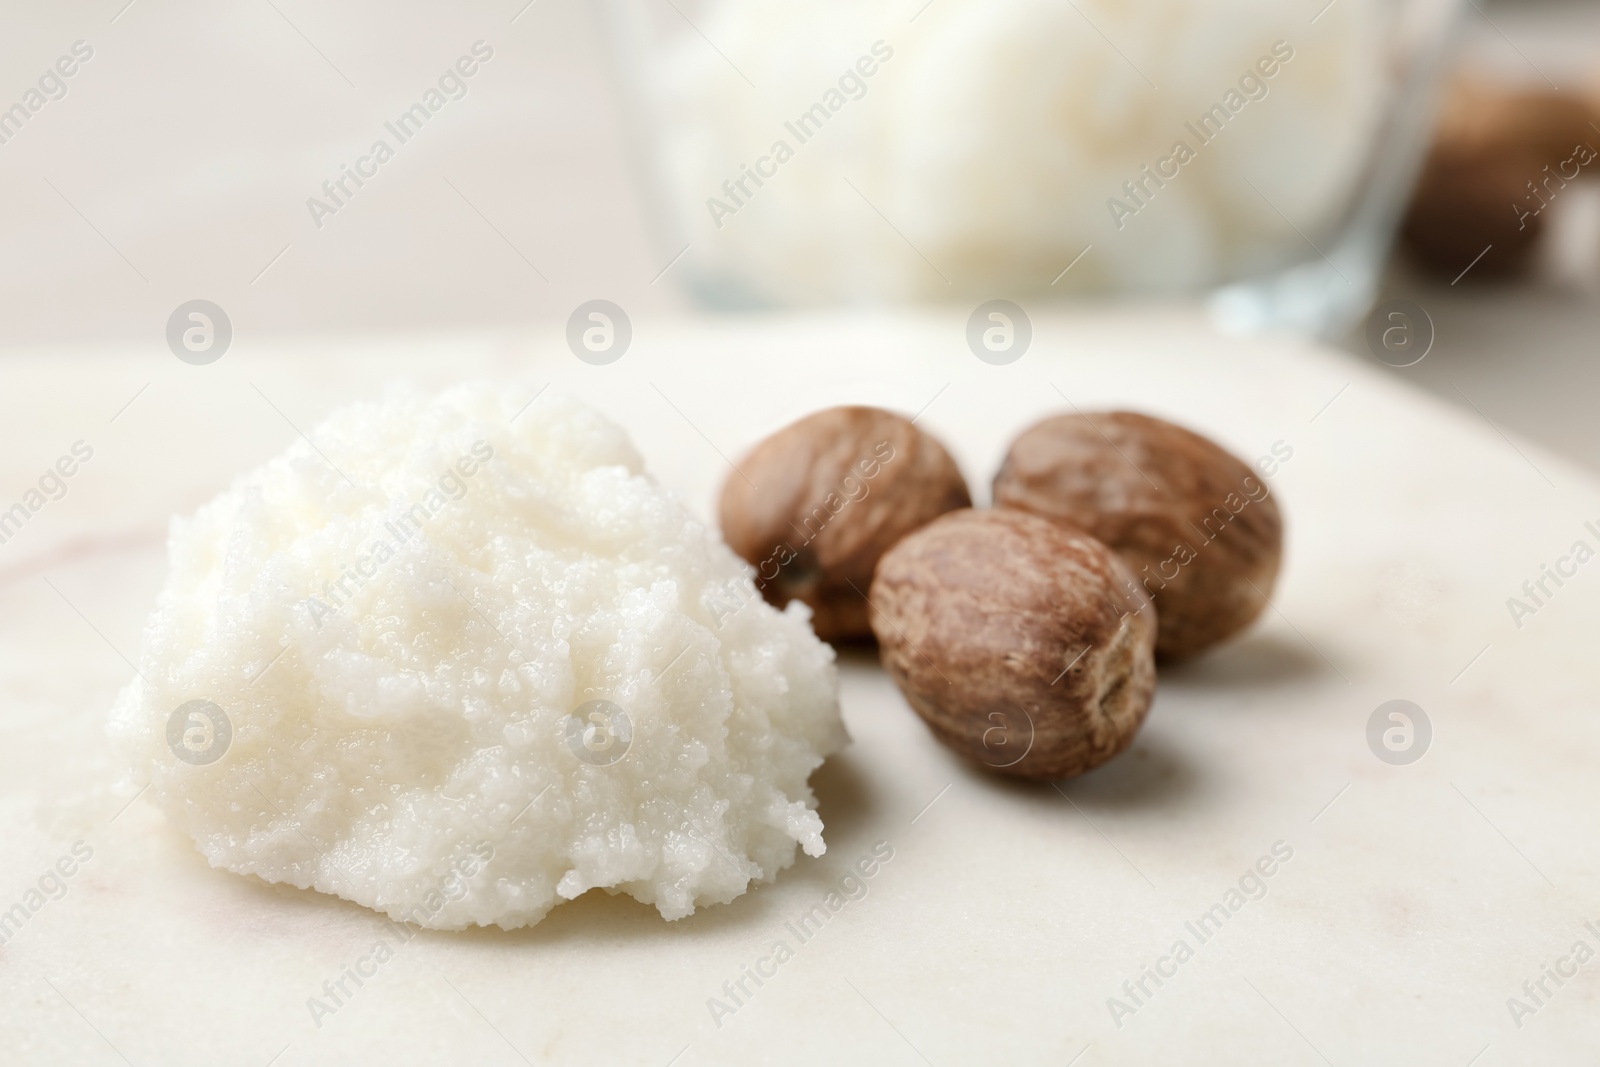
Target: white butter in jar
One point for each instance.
(838, 151)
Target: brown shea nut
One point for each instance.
(1200, 532)
(1025, 645)
(1499, 155)
(816, 504)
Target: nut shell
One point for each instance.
(1459, 212)
(1025, 646)
(836, 490)
(1482, 120)
(1201, 533)
(1474, 202)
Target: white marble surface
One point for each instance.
(1418, 899)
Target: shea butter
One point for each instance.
(843, 151)
(460, 664)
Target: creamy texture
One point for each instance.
(994, 135)
(398, 636)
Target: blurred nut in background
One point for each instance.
(1500, 156)
(1200, 531)
(1025, 645)
(831, 493)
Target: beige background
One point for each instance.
(183, 155)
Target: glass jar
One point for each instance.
(1254, 152)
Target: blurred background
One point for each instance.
(204, 151)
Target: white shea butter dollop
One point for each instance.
(363, 672)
